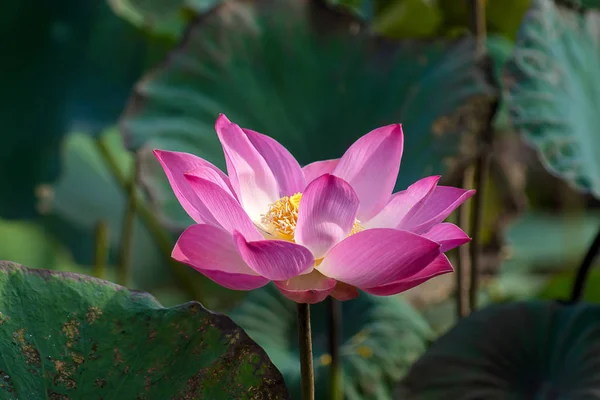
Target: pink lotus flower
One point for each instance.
(325, 229)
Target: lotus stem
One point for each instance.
(101, 249)
(335, 331)
(306, 356)
(127, 232)
(482, 161)
(584, 270)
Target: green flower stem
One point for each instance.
(101, 249)
(335, 327)
(306, 356)
(127, 231)
(482, 161)
(161, 237)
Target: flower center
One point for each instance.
(282, 217)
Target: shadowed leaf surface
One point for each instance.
(381, 337)
(532, 350)
(313, 80)
(67, 336)
(554, 92)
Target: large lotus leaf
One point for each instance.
(529, 350)
(554, 92)
(68, 336)
(381, 337)
(310, 81)
(58, 69)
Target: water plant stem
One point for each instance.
(482, 161)
(306, 355)
(335, 332)
(127, 231)
(584, 270)
(101, 249)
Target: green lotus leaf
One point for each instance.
(554, 93)
(69, 336)
(528, 350)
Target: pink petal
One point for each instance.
(225, 209)
(277, 260)
(175, 164)
(210, 250)
(441, 265)
(402, 203)
(343, 292)
(251, 177)
(211, 176)
(378, 256)
(310, 288)
(314, 170)
(371, 167)
(447, 235)
(438, 207)
(284, 166)
(326, 214)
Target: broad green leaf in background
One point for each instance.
(554, 91)
(528, 350)
(161, 17)
(381, 337)
(68, 336)
(292, 70)
(59, 69)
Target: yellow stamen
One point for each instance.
(282, 217)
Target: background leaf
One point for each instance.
(513, 351)
(60, 73)
(69, 336)
(310, 82)
(554, 93)
(381, 337)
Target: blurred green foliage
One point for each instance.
(315, 77)
(519, 350)
(554, 90)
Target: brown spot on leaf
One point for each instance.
(117, 358)
(92, 314)
(71, 331)
(100, 382)
(32, 355)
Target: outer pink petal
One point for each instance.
(224, 208)
(447, 235)
(314, 170)
(211, 251)
(284, 166)
(378, 256)
(175, 164)
(251, 177)
(326, 214)
(438, 207)
(403, 202)
(371, 167)
(343, 292)
(211, 176)
(439, 266)
(277, 260)
(310, 288)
